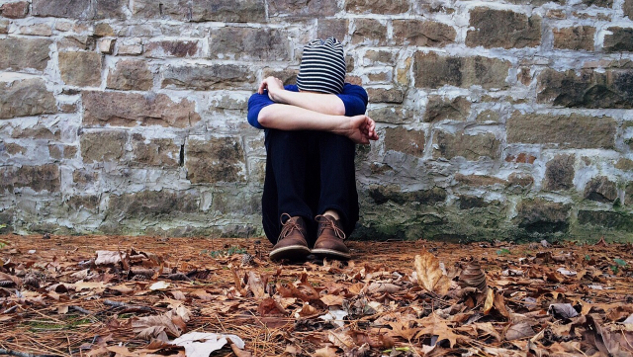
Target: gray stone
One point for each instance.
(181, 49)
(297, 9)
(575, 38)
(470, 202)
(383, 194)
(101, 146)
(7, 179)
(628, 195)
(574, 131)
(249, 44)
(559, 173)
(4, 28)
(152, 204)
(28, 97)
(620, 40)
(208, 77)
(22, 53)
(598, 3)
(470, 147)
(431, 70)
(15, 10)
(287, 76)
(601, 189)
(541, 216)
(589, 89)
(12, 148)
(503, 28)
(390, 115)
(77, 203)
(479, 180)
(487, 116)
(423, 33)
(155, 152)
(85, 177)
(79, 9)
(127, 109)
(377, 6)
(131, 75)
(220, 159)
(103, 29)
(228, 11)
(82, 69)
(39, 178)
(410, 142)
(624, 164)
(336, 28)
(520, 179)
(440, 108)
(382, 95)
(607, 219)
(380, 56)
(369, 30)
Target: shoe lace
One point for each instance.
(288, 227)
(329, 223)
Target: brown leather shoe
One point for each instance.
(291, 244)
(330, 239)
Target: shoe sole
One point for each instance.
(331, 253)
(292, 252)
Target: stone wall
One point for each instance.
(506, 119)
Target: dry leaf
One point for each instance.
(326, 351)
(430, 276)
(473, 276)
(520, 330)
(403, 329)
(105, 257)
(160, 285)
(490, 300)
(432, 325)
(148, 327)
(199, 344)
(256, 285)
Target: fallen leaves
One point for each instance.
(429, 274)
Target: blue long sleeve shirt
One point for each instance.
(354, 98)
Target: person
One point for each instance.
(311, 128)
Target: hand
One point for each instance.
(273, 85)
(362, 129)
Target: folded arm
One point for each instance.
(318, 102)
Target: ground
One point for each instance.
(128, 296)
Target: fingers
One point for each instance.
(269, 82)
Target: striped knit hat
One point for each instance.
(322, 67)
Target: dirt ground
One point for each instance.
(132, 296)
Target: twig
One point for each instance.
(10, 310)
(80, 309)
(20, 354)
(114, 303)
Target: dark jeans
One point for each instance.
(308, 173)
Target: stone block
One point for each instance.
(155, 152)
(101, 146)
(390, 115)
(336, 28)
(423, 33)
(380, 57)
(541, 216)
(131, 75)
(43, 30)
(628, 195)
(180, 49)
(470, 202)
(598, 3)
(612, 88)
(487, 116)
(470, 147)
(293, 9)
(77, 203)
(220, 159)
(628, 9)
(573, 131)
(152, 204)
(559, 173)
(601, 189)
(620, 40)
(575, 38)
(127, 109)
(431, 70)
(132, 47)
(249, 44)
(79, 9)
(103, 29)
(82, 69)
(377, 6)
(39, 178)
(228, 11)
(521, 158)
(12, 148)
(369, 30)
(85, 177)
(410, 142)
(4, 28)
(22, 53)
(27, 97)
(178, 10)
(503, 28)
(479, 180)
(382, 95)
(624, 164)
(7, 179)
(440, 108)
(106, 45)
(384, 194)
(15, 10)
(287, 76)
(607, 219)
(207, 77)
(520, 179)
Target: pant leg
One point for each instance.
(289, 186)
(338, 178)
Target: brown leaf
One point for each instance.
(256, 285)
(473, 276)
(148, 327)
(519, 330)
(326, 351)
(332, 300)
(270, 307)
(201, 294)
(403, 329)
(434, 326)
(106, 257)
(430, 276)
(490, 300)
